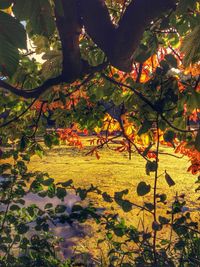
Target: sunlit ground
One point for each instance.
(115, 172)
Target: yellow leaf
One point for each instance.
(97, 129)
(8, 10)
(129, 129)
(145, 139)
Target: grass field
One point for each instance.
(115, 172)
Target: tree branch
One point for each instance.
(148, 102)
(98, 24)
(119, 43)
(69, 28)
(34, 93)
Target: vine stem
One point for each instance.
(7, 208)
(37, 121)
(155, 190)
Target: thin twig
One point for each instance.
(168, 154)
(148, 102)
(19, 116)
(130, 141)
(37, 121)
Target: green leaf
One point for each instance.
(162, 197)
(118, 196)
(12, 219)
(126, 205)
(143, 189)
(20, 201)
(145, 127)
(48, 206)
(82, 193)
(149, 206)
(156, 226)
(22, 9)
(163, 220)
(151, 166)
(169, 180)
(45, 227)
(12, 31)
(14, 207)
(38, 13)
(180, 245)
(169, 136)
(109, 236)
(22, 228)
(43, 193)
(9, 57)
(76, 208)
(48, 182)
(164, 66)
(66, 184)
(191, 47)
(164, 242)
(48, 140)
(147, 150)
(193, 101)
(184, 6)
(30, 211)
(23, 143)
(171, 60)
(143, 52)
(61, 193)
(5, 4)
(24, 243)
(60, 209)
(39, 150)
(4, 167)
(107, 197)
(119, 231)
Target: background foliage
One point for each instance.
(156, 103)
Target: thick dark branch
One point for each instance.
(87, 79)
(69, 28)
(120, 43)
(137, 17)
(34, 93)
(97, 23)
(117, 43)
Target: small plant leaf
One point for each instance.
(169, 180)
(143, 189)
(107, 197)
(163, 220)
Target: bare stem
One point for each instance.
(155, 191)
